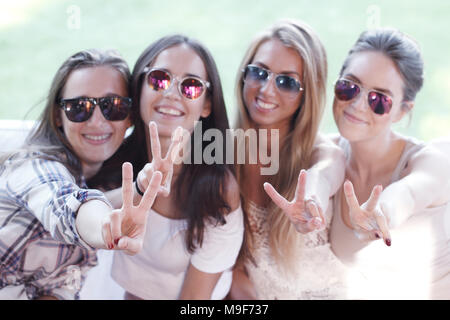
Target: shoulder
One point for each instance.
(326, 146)
(330, 139)
(431, 156)
(442, 144)
(35, 166)
(231, 191)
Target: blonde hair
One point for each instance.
(283, 237)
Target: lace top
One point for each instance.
(318, 273)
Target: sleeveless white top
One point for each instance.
(416, 266)
(158, 271)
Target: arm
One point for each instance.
(241, 288)
(198, 285)
(90, 225)
(426, 184)
(327, 172)
(124, 229)
(306, 210)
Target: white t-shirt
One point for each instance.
(158, 271)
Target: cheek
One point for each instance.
(71, 131)
(337, 110)
(292, 104)
(146, 103)
(121, 126)
(248, 94)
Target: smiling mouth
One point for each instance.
(265, 105)
(353, 119)
(97, 138)
(169, 111)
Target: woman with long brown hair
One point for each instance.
(195, 232)
(50, 221)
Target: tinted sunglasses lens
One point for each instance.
(115, 108)
(158, 80)
(254, 73)
(346, 90)
(191, 88)
(78, 110)
(379, 103)
(288, 84)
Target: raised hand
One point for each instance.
(304, 214)
(125, 228)
(368, 220)
(163, 165)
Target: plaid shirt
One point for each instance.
(40, 248)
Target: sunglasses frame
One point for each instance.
(172, 80)
(361, 90)
(96, 102)
(270, 74)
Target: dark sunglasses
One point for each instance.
(114, 108)
(346, 90)
(189, 87)
(257, 76)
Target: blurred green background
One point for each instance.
(36, 36)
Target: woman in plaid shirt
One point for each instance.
(50, 222)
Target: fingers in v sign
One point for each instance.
(368, 217)
(164, 165)
(127, 225)
(304, 214)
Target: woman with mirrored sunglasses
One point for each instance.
(391, 216)
(195, 228)
(51, 219)
(281, 86)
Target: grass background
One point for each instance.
(36, 36)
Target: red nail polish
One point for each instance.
(388, 242)
(377, 236)
(116, 241)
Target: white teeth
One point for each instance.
(97, 138)
(264, 105)
(170, 111)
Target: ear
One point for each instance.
(206, 109)
(406, 108)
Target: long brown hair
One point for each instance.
(49, 141)
(199, 188)
(297, 146)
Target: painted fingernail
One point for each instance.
(377, 235)
(388, 242)
(110, 246)
(116, 241)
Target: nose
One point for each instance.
(359, 103)
(97, 117)
(173, 92)
(269, 87)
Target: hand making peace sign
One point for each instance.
(304, 214)
(368, 219)
(124, 229)
(163, 165)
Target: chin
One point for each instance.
(351, 134)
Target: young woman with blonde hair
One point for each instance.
(282, 87)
